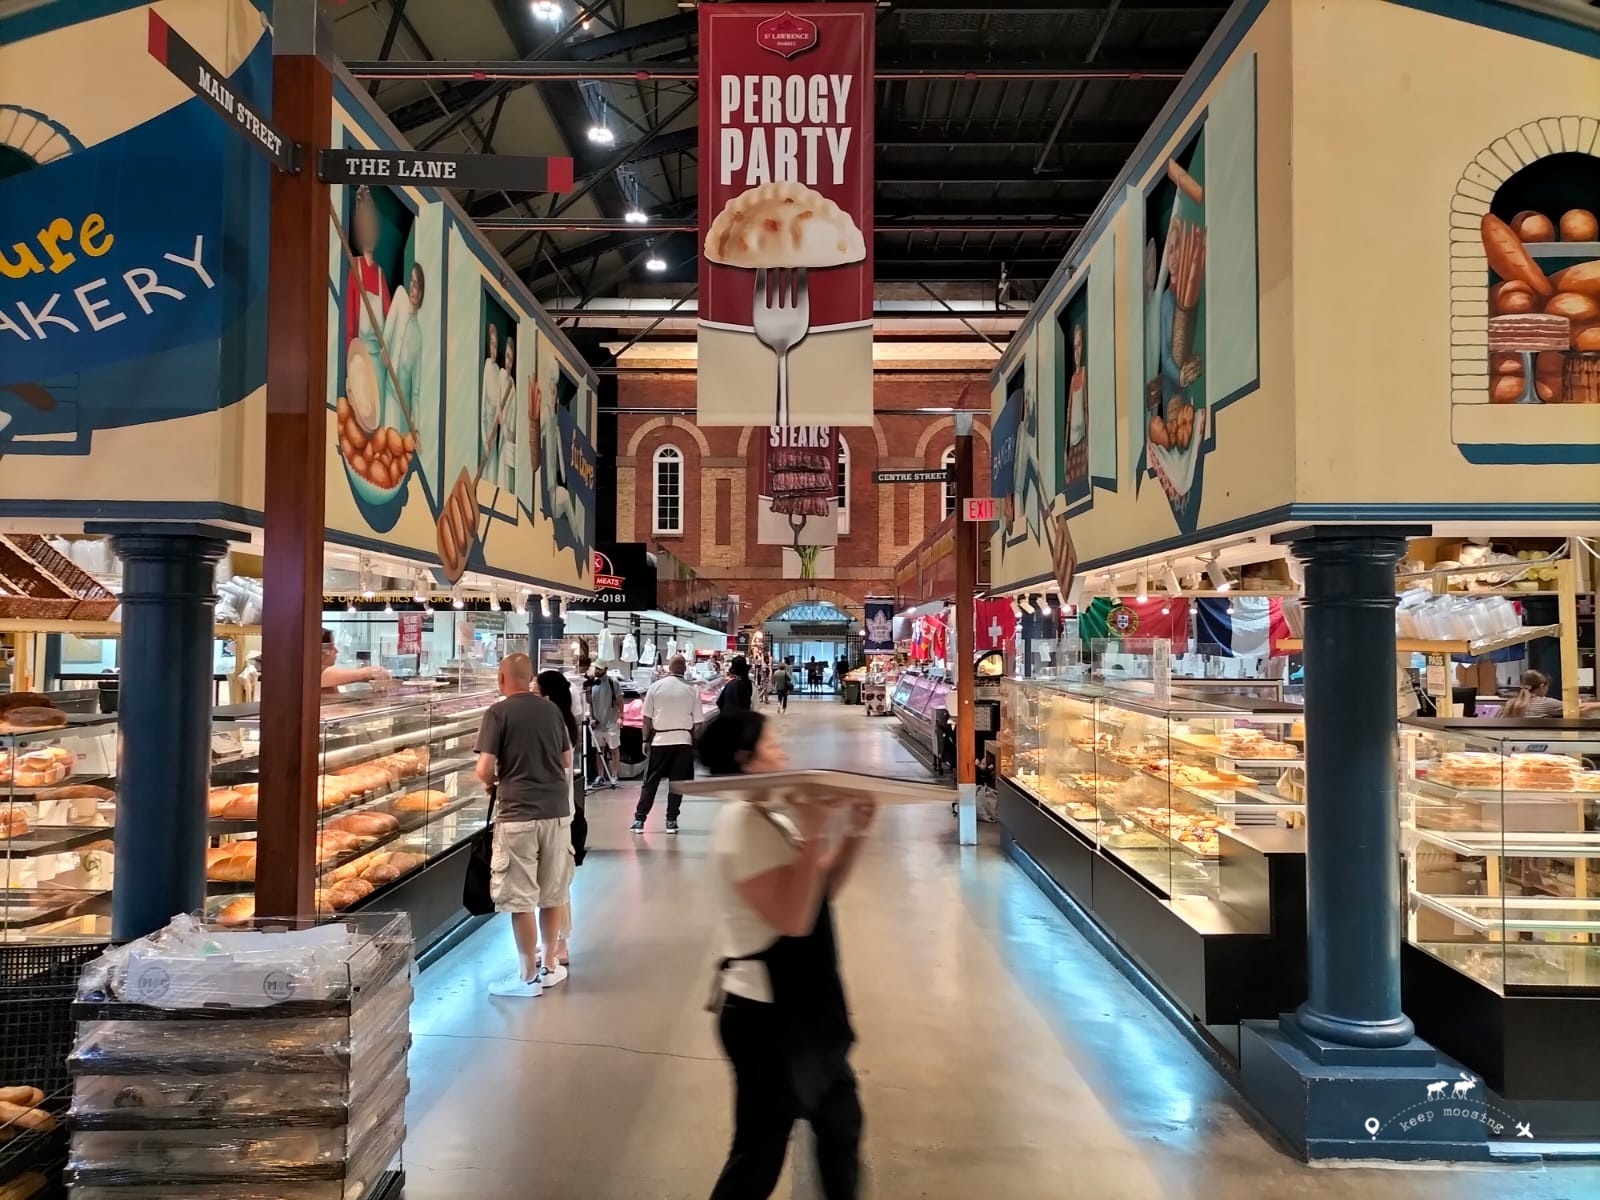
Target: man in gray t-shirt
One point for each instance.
(525, 753)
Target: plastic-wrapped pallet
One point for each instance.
(263, 1064)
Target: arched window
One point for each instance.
(667, 494)
(948, 462)
(844, 484)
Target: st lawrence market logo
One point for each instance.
(1123, 621)
(786, 35)
(606, 578)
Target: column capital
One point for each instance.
(1313, 541)
(166, 539)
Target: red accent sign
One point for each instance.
(787, 35)
(410, 633)
(786, 200)
(979, 509)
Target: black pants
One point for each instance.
(765, 1110)
(675, 763)
(783, 700)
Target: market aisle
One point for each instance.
(1000, 1055)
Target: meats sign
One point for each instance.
(786, 187)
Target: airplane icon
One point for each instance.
(1524, 1130)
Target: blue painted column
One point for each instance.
(1352, 823)
(164, 720)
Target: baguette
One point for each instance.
(1186, 183)
(25, 1116)
(77, 791)
(27, 1097)
(1585, 277)
(24, 1187)
(239, 869)
(242, 809)
(1509, 258)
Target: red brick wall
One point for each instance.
(719, 502)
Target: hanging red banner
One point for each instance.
(786, 189)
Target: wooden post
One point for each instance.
(296, 485)
(966, 643)
(1567, 615)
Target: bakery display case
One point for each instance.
(397, 796)
(1501, 859)
(1176, 828)
(57, 818)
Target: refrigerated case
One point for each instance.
(1502, 877)
(1176, 828)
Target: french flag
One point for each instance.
(1243, 626)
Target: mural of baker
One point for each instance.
(1175, 332)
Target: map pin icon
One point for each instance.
(1373, 1125)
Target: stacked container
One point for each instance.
(267, 1064)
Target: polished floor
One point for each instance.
(1001, 1057)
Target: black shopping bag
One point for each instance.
(475, 889)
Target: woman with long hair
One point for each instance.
(1534, 699)
(781, 1011)
(553, 686)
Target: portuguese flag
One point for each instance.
(1130, 618)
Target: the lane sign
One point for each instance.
(205, 81)
(944, 476)
(979, 508)
(427, 168)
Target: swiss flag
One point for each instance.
(996, 624)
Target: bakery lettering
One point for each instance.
(790, 128)
(90, 305)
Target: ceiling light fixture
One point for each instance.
(1044, 606)
(388, 608)
(1025, 603)
(1143, 593)
(1218, 575)
(655, 263)
(635, 216)
(547, 10)
(600, 135)
(1174, 584)
(544, 604)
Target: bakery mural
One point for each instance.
(460, 427)
(786, 187)
(1538, 187)
(798, 496)
(1198, 218)
(131, 317)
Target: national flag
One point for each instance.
(1241, 626)
(1126, 617)
(996, 624)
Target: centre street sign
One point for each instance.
(941, 476)
(428, 168)
(205, 81)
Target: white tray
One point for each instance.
(792, 786)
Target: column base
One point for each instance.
(1396, 1105)
(1356, 1044)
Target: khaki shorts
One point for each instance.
(608, 736)
(532, 864)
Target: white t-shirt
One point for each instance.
(745, 844)
(673, 706)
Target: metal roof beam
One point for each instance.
(675, 142)
(502, 73)
(1015, 7)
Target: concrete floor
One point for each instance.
(1000, 1056)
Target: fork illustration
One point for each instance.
(782, 318)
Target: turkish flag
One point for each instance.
(996, 624)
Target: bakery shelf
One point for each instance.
(24, 794)
(24, 908)
(1575, 250)
(1165, 839)
(1512, 845)
(1433, 790)
(76, 723)
(1519, 914)
(1527, 633)
(224, 826)
(53, 839)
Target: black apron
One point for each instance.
(808, 999)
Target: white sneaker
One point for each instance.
(550, 976)
(514, 985)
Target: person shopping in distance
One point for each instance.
(553, 686)
(782, 684)
(524, 752)
(781, 1012)
(671, 715)
(1534, 700)
(738, 691)
(605, 710)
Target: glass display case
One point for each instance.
(397, 792)
(57, 817)
(1153, 784)
(1502, 851)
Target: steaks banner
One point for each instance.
(799, 487)
(786, 185)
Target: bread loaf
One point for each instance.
(365, 824)
(238, 911)
(78, 791)
(25, 1116)
(421, 802)
(27, 1097)
(242, 808)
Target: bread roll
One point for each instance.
(1579, 225)
(1575, 306)
(1505, 364)
(1533, 227)
(1506, 389)
(405, 863)
(1584, 277)
(238, 911)
(1587, 339)
(351, 891)
(1512, 298)
(381, 874)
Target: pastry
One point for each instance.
(1530, 332)
(13, 823)
(783, 224)
(239, 911)
(381, 874)
(420, 802)
(351, 891)
(1469, 769)
(1587, 781)
(42, 768)
(28, 719)
(1542, 772)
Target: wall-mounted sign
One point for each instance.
(624, 579)
(786, 207)
(427, 168)
(410, 641)
(978, 509)
(205, 81)
(942, 476)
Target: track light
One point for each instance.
(1174, 584)
(655, 263)
(601, 135)
(546, 10)
(1218, 575)
(456, 601)
(635, 217)
(1025, 604)
(1143, 593)
(1044, 606)
(544, 604)
(388, 609)
(367, 589)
